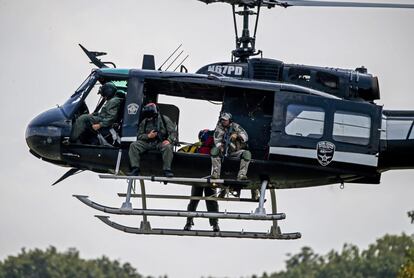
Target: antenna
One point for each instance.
(175, 59)
(181, 62)
(170, 56)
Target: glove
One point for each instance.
(233, 137)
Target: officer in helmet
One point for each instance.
(155, 132)
(107, 116)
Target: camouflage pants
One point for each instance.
(139, 147)
(216, 161)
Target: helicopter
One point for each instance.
(307, 125)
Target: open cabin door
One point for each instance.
(325, 132)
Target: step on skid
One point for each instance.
(145, 228)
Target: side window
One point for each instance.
(351, 128)
(398, 129)
(412, 134)
(304, 121)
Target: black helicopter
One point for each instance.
(307, 125)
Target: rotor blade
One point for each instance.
(235, 2)
(66, 175)
(311, 3)
(93, 58)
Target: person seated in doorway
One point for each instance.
(206, 142)
(108, 114)
(230, 140)
(155, 132)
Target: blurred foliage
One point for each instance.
(407, 269)
(50, 264)
(390, 256)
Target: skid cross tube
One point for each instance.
(144, 204)
(179, 197)
(127, 204)
(275, 229)
(260, 209)
(192, 181)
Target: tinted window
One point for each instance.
(304, 121)
(351, 128)
(398, 129)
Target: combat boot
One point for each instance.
(168, 173)
(215, 176)
(134, 171)
(188, 225)
(216, 228)
(255, 194)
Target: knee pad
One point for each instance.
(215, 152)
(247, 155)
(167, 147)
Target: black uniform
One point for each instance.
(212, 206)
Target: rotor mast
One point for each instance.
(245, 45)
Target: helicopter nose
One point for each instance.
(43, 136)
(44, 141)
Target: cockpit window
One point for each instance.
(85, 84)
(70, 105)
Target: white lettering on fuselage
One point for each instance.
(226, 70)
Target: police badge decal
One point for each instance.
(132, 108)
(325, 152)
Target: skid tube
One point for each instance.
(199, 233)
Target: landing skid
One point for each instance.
(145, 228)
(200, 233)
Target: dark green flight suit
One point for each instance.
(106, 117)
(166, 129)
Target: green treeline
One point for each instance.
(390, 256)
(52, 264)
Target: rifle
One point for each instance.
(159, 135)
(227, 141)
